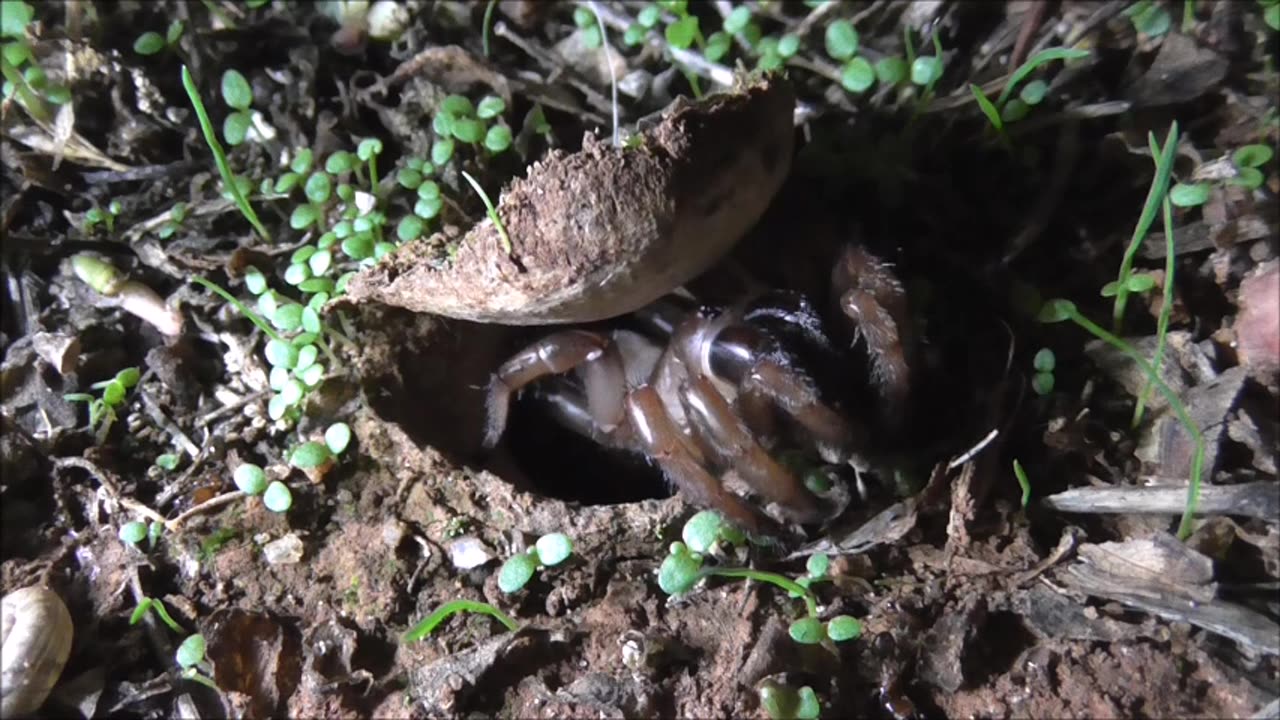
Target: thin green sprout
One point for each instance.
(486, 24)
(1068, 311)
(442, 613)
(763, 576)
(254, 317)
(219, 156)
(1044, 56)
(30, 99)
(149, 603)
(493, 212)
(1162, 323)
(1023, 482)
(1159, 186)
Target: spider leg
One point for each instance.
(713, 417)
(870, 295)
(661, 440)
(555, 354)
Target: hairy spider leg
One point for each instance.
(555, 354)
(712, 417)
(660, 440)
(871, 296)
(748, 360)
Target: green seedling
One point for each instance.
(1044, 363)
(250, 479)
(549, 550)
(492, 211)
(1270, 13)
(220, 156)
(210, 545)
(133, 532)
(102, 409)
(781, 702)
(817, 569)
(1023, 482)
(190, 657)
(1059, 310)
(151, 42)
(1149, 18)
(168, 461)
(148, 604)
(1155, 196)
(95, 216)
(432, 621)
(1009, 109)
(707, 532)
(811, 630)
(682, 569)
(277, 497)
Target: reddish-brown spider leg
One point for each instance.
(838, 439)
(559, 353)
(713, 418)
(870, 295)
(660, 439)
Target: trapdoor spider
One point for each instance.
(712, 394)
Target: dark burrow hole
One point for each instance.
(562, 464)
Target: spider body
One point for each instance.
(714, 395)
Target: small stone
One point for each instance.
(468, 553)
(285, 551)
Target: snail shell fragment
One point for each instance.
(606, 230)
(36, 635)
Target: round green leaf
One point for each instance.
(442, 151)
(702, 531)
(468, 130)
(251, 479)
(277, 378)
(788, 46)
(818, 565)
(167, 461)
(190, 652)
(682, 32)
(312, 375)
(128, 377)
(337, 437)
(925, 70)
(1042, 383)
(311, 320)
(516, 572)
(490, 107)
(1252, 156)
(1014, 110)
(368, 148)
(410, 228)
(649, 16)
(1045, 360)
(442, 124)
(718, 46)
(302, 161)
(133, 532)
(809, 707)
(310, 454)
(292, 392)
(841, 39)
(148, 43)
(553, 548)
(303, 216)
(296, 274)
(1141, 282)
(843, 627)
(277, 497)
(807, 631)
(498, 138)
(318, 187)
(1193, 195)
(409, 178)
(1250, 178)
(679, 571)
(427, 208)
(736, 21)
(320, 262)
(281, 354)
(1056, 310)
(458, 106)
(858, 75)
(358, 247)
(1033, 92)
(339, 162)
(113, 393)
(235, 90)
(288, 317)
(235, 128)
(634, 35)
